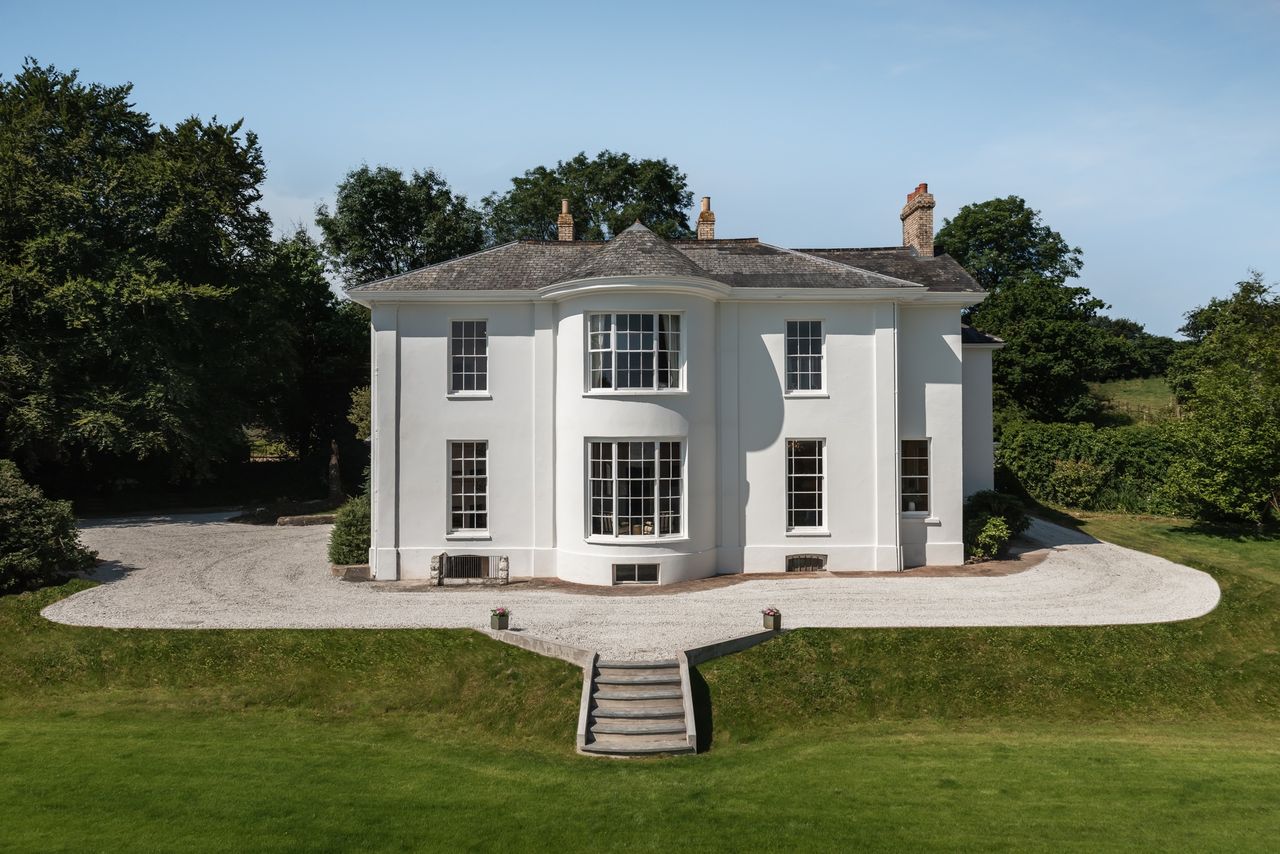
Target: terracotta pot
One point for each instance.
(499, 621)
(773, 622)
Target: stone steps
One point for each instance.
(636, 709)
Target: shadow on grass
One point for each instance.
(701, 692)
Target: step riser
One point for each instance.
(628, 665)
(637, 674)
(676, 711)
(642, 680)
(638, 728)
(623, 694)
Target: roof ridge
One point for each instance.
(854, 249)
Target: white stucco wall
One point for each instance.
(891, 371)
(979, 457)
(930, 406)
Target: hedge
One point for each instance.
(1093, 468)
(39, 543)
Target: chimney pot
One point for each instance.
(706, 221)
(917, 220)
(564, 223)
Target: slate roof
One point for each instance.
(637, 251)
(969, 335)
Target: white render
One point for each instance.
(895, 368)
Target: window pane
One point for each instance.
(804, 483)
(915, 475)
(468, 355)
(468, 486)
(803, 355)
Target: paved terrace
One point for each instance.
(200, 571)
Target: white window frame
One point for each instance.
(657, 575)
(612, 314)
(451, 532)
(820, 530)
(821, 391)
(928, 493)
(615, 537)
(462, 393)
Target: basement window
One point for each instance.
(806, 563)
(635, 573)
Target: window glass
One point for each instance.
(635, 489)
(915, 475)
(804, 355)
(468, 356)
(804, 483)
(633, 351)
(468, 486)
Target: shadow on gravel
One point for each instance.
(109, 570)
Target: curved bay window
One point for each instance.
(633, 351)
(635, 489)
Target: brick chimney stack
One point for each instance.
(917, 220)
(564, 223)
(706, 221)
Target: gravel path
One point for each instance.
(200, 571)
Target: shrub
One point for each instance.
(1076, 483)
(349, 542)
(991, 503)
(39, 543)
(990, 540)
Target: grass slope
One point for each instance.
(1224, 666)
(1135, 400)
(966, 739)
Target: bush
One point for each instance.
(991, 519)
(991, 503)
(991, 539)
(39, 543)
(1127, 467)
(349, 542)
(1076, 483)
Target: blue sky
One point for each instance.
(1148, 134)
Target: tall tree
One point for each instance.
(308, 395)
(1052, 347)
(130, 265)
(383, 224)
(606, 194)
(1230, 379)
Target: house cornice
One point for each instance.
(704, 288)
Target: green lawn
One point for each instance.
(1143, 399)
(1112, 738)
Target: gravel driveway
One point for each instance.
(200, 571)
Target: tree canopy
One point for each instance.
(146, 314)
(383, 224)
(1051, 345)
(606, 194)
(1231, 382)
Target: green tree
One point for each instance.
(383, 224)
(327, 353)
(1052, 348)
(1129, 351)
(606, 194)
(130, 271)
(1231, 382)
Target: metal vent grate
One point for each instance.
(466, 566)
(806, 563)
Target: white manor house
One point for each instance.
(643, 410)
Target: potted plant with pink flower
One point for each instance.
(772, 619)
(499, 618)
